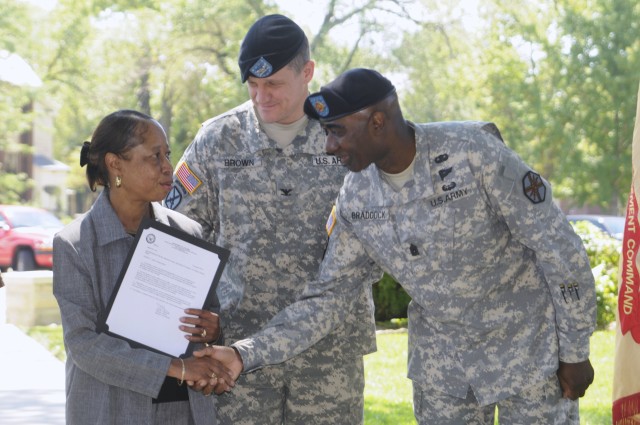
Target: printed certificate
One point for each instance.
(166, 272)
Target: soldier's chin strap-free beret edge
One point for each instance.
(270, 44)
(350, 92)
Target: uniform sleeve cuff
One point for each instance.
(574, 346)
(247, 352)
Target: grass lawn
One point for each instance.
(387, 392)
(51, 337)
(388, 395)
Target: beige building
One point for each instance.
(32, 151)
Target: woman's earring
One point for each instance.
(118, 181)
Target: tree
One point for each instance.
(558, 77)
(601, 75)
(574, 103)
(174, 59)
(440, 75)
(555, 75)
(15, 27)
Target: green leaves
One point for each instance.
(558, 77)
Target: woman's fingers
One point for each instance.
(202, 326)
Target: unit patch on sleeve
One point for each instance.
(188, 179)
(534, 188)
(173, 198)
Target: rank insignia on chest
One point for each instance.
(331, 221)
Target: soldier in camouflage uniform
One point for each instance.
(503, 298)
(259, 181)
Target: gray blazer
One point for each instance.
(107, 381)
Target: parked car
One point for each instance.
(26, 236)
(610, 224)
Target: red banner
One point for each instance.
(628, 293)
(626, 367)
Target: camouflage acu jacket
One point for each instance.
(268, 206)
(501, 286)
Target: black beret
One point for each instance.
(270, 44)
(353, 91)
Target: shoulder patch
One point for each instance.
(331, 221)
(533, 187)
(188, 179)
(173, 198)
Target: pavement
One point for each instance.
(31, 378)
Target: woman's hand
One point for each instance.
(229, 358)
(205, 326)
(202, 374)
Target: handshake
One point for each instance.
(214, 369)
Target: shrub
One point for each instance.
(390, 299)
(604, 257)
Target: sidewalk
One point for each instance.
(31, 378)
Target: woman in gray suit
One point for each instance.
(108, 381)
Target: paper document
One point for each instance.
(167, 272)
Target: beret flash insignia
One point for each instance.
(261, 68)
(320, 105)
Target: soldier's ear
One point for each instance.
(308, 71)
(378, 120)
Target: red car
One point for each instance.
(26, 236)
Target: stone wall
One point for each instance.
(28, 299)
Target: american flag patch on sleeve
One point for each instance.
(188, 179)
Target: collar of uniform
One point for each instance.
(378, 188)
(419, 187)
(311, 143)
(422, 186)
(284, 134)
(261, 142)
